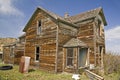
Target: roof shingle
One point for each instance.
(85, 15)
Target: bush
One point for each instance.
(111, 63)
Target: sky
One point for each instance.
(14, 15)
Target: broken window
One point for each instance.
(69, 56)
(39, 27)
(37, 53)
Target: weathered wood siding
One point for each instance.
(46, 40)
(6, 56)
(65, 34)
(15, 56)
(54, 34)
(18, 52)
(86, 34)
(89, 33)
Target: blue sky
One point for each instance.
(14, 14)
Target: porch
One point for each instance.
(76, 55)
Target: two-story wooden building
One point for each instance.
(67, 43)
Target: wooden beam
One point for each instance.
(94, 28)
(88, 57)
(86, 30)
(56, 58)
(63, 59)
(93, 76)
(102, 58)
(78, 56)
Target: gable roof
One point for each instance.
(72, 19)
(87, 15)
(74, 42)
(53, 15)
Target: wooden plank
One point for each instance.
(94, 28)
(93, 76)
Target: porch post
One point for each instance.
(78, 57)
(88, 57)
(102, 65)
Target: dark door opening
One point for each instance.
(82, 57)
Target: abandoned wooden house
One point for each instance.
(64, 44)
(12, 52)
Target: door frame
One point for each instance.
(87, 56)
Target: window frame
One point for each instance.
(100, 28)
(37, 54)
(70, 66)
(39, 27)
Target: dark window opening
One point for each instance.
(37, 53)
(39, 27)
(39, 23)
(100, 28)
(37, 57)
(37, 50)
(100, 49)
(69, 56)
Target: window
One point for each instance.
(100, 28)
(39, 27)
(69, 56)
(37, 53)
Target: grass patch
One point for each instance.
(14, 74)
(36, 74)
(112, 76)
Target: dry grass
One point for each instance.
(112, 63)
(112, 66)
(34, 75)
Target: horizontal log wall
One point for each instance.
(6, 55)
(65, 34)
(18, 55)
(46, 40)
(15, 58)
(86, 34)
(47, 56)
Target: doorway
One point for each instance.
(82, 57)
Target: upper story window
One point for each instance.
(100, 28)
(39, 27)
